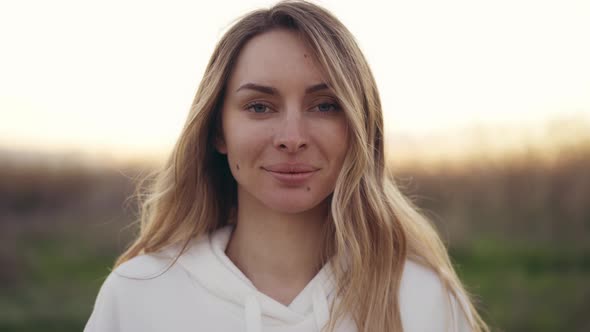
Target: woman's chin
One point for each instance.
(291, 205)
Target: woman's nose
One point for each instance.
(291, 136)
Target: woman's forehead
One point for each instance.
(278, 58)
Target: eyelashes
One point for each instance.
(263, 108)
(257, 107)
(333, 107)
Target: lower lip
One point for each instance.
(292, 179)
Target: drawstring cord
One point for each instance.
(320, 307)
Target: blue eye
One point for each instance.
(327, 107)
(257, 108)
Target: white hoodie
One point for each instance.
(205, 291)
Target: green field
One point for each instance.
(518, 236)
(521, 287)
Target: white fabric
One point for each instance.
(205, 291)
(252, 312)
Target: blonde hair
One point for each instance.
(372, 227)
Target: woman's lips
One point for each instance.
(290, 168)
(292, 179)
(291, 174)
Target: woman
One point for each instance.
(275, 212)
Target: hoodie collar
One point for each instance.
(207, 263)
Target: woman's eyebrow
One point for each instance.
(272, 91)
(260, 88)
(316, 88)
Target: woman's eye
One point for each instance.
(327, 107)
(257, 108)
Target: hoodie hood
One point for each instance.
(206, 262)
(204, 290)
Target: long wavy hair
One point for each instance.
(372, 228)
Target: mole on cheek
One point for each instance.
(238, 167)
(308, 189)
(305, 55)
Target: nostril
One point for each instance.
(294, 147)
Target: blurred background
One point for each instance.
(487, 110)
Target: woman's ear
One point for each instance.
(220, 143)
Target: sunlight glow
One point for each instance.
(118, 77)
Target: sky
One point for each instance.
(118, 77)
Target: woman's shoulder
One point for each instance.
(420, 287)
(143, 266)
(419, 280)
(123, 292)
(159, 265)
(423, 294)
(151, 268)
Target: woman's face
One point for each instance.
(284, 134)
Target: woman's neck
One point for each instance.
(280, 253)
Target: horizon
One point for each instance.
(457, 146)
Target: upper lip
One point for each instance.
(290, 168)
